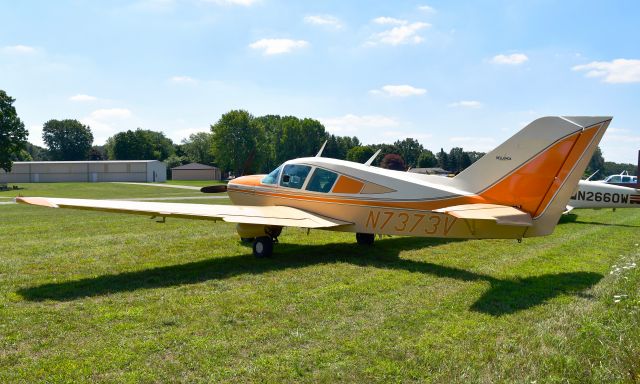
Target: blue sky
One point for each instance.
(466, 74)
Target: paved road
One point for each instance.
(163, 185)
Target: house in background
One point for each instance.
(430, 171)
(196, 171)
(85, 171)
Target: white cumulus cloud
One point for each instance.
(399, 91)
(81, 97)
(426, 8)
(244, 3)
(616, 71)
(19, 49)
(512, 59)
(466, 104)
(182, 80)
(350, 124)
(277, 46)
(389, 20)
(406, 33)
(323, 20)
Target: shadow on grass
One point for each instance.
(503, 297)
(606, 224)
(573, 218)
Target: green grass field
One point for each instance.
(96, 297)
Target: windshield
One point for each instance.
(272, 178)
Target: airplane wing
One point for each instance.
(273, 215)
(501, 214)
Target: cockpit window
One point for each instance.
(614, 179)
(322, 180)
(272, 178)
(294, 175)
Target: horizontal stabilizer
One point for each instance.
(272, 215)
(501, 214)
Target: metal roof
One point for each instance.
(193, 167)
(86, 162)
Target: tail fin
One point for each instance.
(537, 169)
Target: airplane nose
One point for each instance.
(246, 181)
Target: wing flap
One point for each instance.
(501, 214)
(272, 215)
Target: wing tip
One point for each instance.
(41, 201)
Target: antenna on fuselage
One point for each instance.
(368, 162)
(322, 149)
(593, 174)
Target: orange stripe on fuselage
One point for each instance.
(419, 205)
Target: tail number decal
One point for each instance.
(605, 197)
(410, 223)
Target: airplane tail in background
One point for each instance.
(538, 168)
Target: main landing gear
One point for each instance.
(365, 238)
(263, 243)
(263, 246)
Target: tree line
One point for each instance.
(238, 143)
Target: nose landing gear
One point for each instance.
(365, 238)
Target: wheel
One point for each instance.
(262, 246)
(365, 238)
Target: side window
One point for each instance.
(322, 180)
(294, 175)
(272, 178)
(626, 179)
(615, 179)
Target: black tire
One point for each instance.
(365, 238)
(263, 247)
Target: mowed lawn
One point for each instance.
(97, 297)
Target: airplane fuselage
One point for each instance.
(597, 194)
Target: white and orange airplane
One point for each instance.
(518, 190)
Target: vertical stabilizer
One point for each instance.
(538, 168)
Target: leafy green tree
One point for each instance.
(140, 144)
(238, 141)
(443, 159)
(611, 168)
(162, 146)
(198, 148)
(596, 163)
(67, 139)
(360, 154)
(338, 147)
(385, 149)
(458, 160)
(97, 152)
(427, 159)
(37, 153)
(13, 135)
(475, 156)
(21, 155)
(409, 149)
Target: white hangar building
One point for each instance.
(85, 171)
